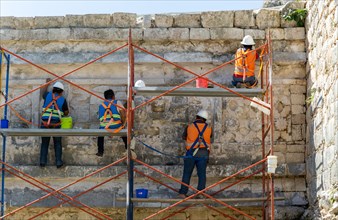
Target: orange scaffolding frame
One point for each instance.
(267, 127)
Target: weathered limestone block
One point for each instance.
(295, 158)
(123, 33)
(59, 33)
(75, 20)
(145, 21)
(179, 34)
(296, 169)
(268, 18)
(156, 34)
(7, 22)
(162, 20)
(277, 33)
(244, 19)
(298, 89)
(298, 119)
(24, 22)
(226, 33)
(295, 33)
(49, 22)
(39, 34)
(91, 33)
(298, 99)
(199, 34)
(97, 20)
(124, 20)
(187, 20)
(283, 58)
(256, 34)
(217, 19)
(9, 34)
(188, 57)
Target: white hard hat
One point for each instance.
(247, 40)
(203, 114)
(140, 83)
(58, 85)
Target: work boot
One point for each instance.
(240, 85)
(99, 154)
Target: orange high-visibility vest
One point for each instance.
(192, 135)
(246, 60)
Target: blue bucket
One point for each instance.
(141, 193)
(4, 123)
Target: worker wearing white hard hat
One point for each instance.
(54, 108)
(245, 58)
(197, 137)
(140, 83)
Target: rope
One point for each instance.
(166, 154)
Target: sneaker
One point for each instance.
(42, 165)
(59, 166)
(99, 154)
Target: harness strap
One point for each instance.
(53, 102)
(198, 140)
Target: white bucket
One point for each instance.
(272, 164)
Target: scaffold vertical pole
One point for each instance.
(4, 138)
(272, 189)
(130, 162)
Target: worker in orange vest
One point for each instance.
(244, 75)
(197, 136)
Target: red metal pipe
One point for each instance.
(56, 196)
(58, 77)
(202, 191)
(155, 180)
(82, 193)
(197, 76)
(64, 187)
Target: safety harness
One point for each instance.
(109, 118)
(200, 139)
(49, 111)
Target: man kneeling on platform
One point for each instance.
(110, 114)
(198, 142)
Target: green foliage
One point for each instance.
(297, 15)
(309, 100)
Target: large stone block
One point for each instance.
(156, 34)
(283, 58)
(268, 18)
(59, 33)
(179, 34)
(24, 22)
(298, 99)
(295, 33)
(256, 34)
(163, 20)
(9, 34)
(39, 34)
(244, 19)
(7, 22)
(91, 33)
(296, 169)
(75, 20)
(97, 20)
(298, 119)
(187, 20)
(277, 33)
(295, 158)
(49, 22)
(199, 34)
(226, 33)
(124, 20)
(217, 19)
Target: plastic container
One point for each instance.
(272, 164)
(201, 83)
(67, 122)
(4, 123)
(141, 193)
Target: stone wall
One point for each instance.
(322, 111)
(199, 42)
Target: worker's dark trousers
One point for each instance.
(100, 144)
(57, 148)
(201, 164)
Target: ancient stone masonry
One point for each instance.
(199, 42)
(322, 107)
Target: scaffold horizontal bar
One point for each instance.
(202, 92)
(230, 200)
(59, 132)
